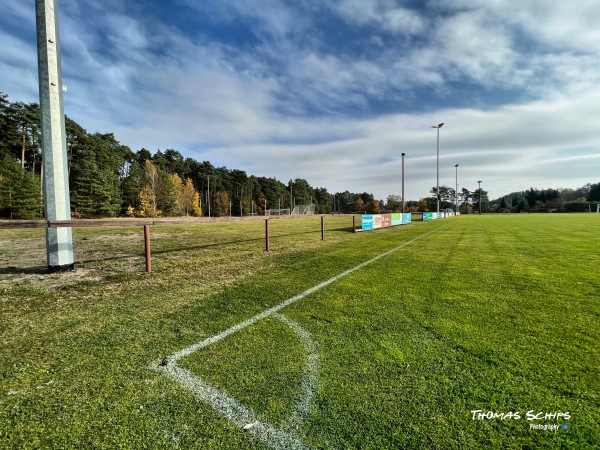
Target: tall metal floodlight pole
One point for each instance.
(57, 204)
(479, 196)
(403, 154)
(456, 191)
(438, 126)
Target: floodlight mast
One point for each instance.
(403, 155)
(57, 204)
(456, 191)
(480, 196)
(437, 194)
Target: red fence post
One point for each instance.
(147, 248)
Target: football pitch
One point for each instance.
(467, 332)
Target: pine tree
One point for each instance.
(166, 196)
(131, 186)
(19, 191)
(221, 204)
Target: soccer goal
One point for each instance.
(278, 212)
(304, 209)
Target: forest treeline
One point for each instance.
(108, 179)
(549, 200)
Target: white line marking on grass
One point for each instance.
(243, 416)
(268, 312)
(310, 381)
(233, 410)
(240, 414)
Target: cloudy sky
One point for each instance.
(335, 90)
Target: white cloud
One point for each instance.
(157, 86)
(18, 66)
(468, 44)
(566, 25)
(511, 149)
(385, 14)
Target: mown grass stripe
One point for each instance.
(233, 410)
(268, 312)
(310, 381)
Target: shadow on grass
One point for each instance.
(34, 270)
(40, 270)
(242, 241)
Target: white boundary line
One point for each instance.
(268, 312)
(244, 417)
(235, 411)
(310, 380)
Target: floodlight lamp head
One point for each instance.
(456, 165)
(440, 125)
(403, 154)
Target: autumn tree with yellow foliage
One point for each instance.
(150, 191)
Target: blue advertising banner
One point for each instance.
(406, 218)
(367, 222)
(397, 219)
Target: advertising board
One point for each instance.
(377, 221)
(386, 220)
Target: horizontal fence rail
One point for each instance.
(78, 223)
(147, 223)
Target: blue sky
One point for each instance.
(335, 91)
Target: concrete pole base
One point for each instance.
(61, 269)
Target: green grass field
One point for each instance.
(489, 313)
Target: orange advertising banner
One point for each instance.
(386, 220)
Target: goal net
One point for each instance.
(304, 209)
(278, 212)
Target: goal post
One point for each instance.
(278, 212)
(303, 209)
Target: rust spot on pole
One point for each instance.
(147, 248)
(266, 235)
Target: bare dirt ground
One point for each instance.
(23, 260)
